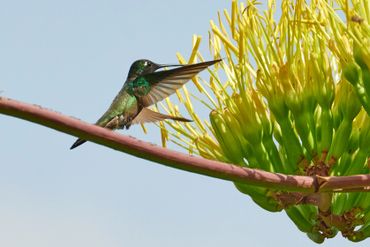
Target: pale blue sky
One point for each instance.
(72, 56)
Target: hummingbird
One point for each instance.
(144, 87)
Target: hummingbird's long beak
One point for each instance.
(169, 65)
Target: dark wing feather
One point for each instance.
(164, 83)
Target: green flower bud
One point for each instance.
(229, 143)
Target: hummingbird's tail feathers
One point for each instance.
(77, 143)
(148, 116)
(164, 83)
(181, 119)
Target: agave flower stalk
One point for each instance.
(291, 96)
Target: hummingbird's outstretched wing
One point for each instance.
(147, 116)
(164, 83)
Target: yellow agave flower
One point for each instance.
(291, 96)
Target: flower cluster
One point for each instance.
(291, 96)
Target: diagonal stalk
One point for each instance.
(148, 151)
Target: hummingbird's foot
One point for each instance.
(128, 122)
(124, 121)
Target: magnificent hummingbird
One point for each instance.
(144, 87)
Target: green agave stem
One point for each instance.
(261, 157)
(300, 218)
(340, 140)
(338, 204)
(273, 153)
(341, 167)
(326, 130)
(364, 77)
(358, 162)
(305, 134)
(353, 73)
(291, 145)
(349, 201)
(310, 116)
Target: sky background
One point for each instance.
(72, 57)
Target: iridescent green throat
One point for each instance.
(139, 87)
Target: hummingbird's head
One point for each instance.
(142, 67)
